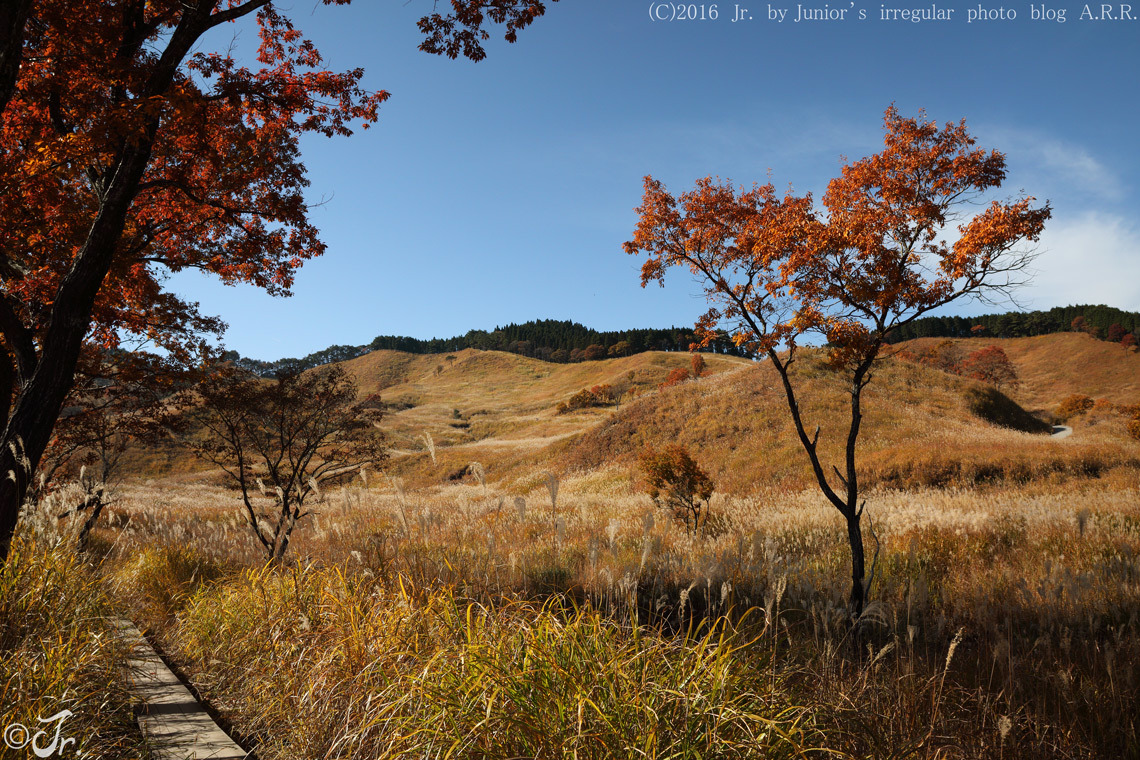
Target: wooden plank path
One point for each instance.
(176, 724)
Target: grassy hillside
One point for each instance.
(922, 427)
(500, 398)
(1053, 366)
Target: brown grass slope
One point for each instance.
(477, 402)
(1051, 367)
(491, 398)
(921, 427)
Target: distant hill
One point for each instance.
(483, 395)
(549, 340)
(1017, 324)
(1051, 367)
(921, 426)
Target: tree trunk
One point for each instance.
(855, 539)
(13, 18)
(282, 545)
(89, 523)
(41, 396)
(37, 407)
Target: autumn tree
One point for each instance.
(990, 365)
(676, 483)
(1073, 405)
(594, 352)
(697, 365)
(675, 377)
(129, 149)
(778, 270)
(280, 440)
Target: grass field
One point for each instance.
(423, 614)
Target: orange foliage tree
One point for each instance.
(777, 270)
(990, 365)
(129, 150)
(697, 365)
(675, 377)
(675, 482)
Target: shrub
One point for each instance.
(697, 365)
(1134, 423)
(1073, 405)
(675, 482)
(675, 377)
(599, 395)
(603, 394)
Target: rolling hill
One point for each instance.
(1053, 366)
(922, 427)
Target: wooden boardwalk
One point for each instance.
(176, 724)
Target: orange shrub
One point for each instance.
(599, 395)
(1073, 405)
(675, 377)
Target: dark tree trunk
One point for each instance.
(13, 18)
(38, 405)
(89, 523)
(855, 539)
(41, 396)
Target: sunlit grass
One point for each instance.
(1042, 580)
(59, 652)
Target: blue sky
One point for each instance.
(502, 191)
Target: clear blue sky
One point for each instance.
(502, 191)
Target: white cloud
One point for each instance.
(1091, 258)
(1049, 167)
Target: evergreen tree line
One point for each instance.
(550, 340)
(1021, 324)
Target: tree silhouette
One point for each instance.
(280, 440)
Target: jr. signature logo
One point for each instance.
(19, 736)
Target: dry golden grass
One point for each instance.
(59, 652)
(919, 430)
(1036, 588)
(499, 396)
(424, 611)
(1051, 367)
